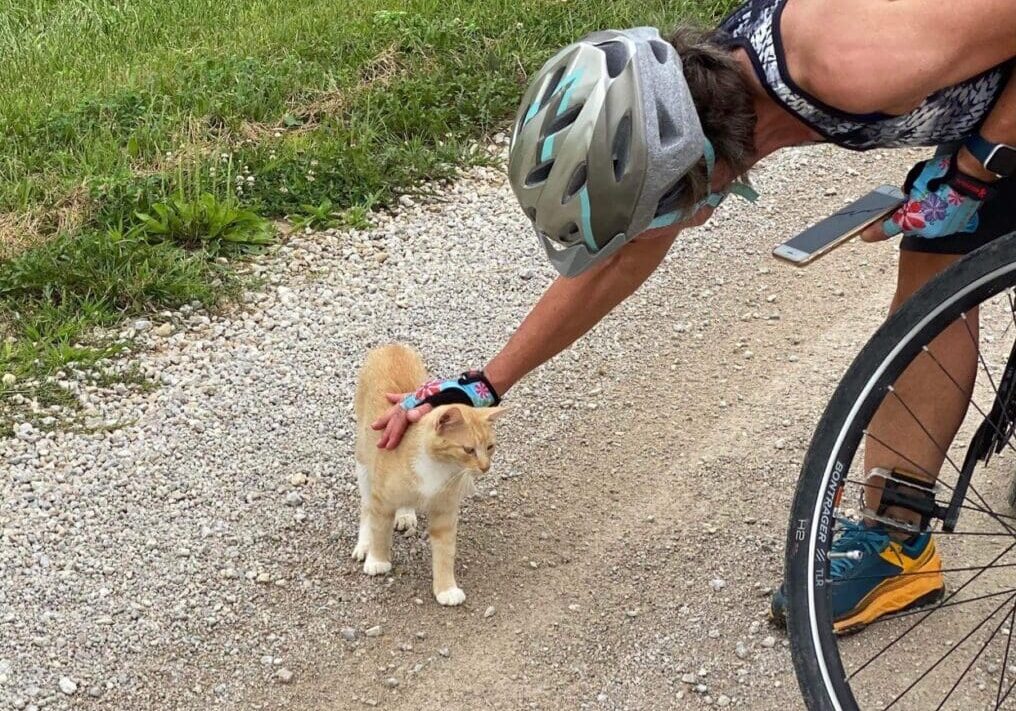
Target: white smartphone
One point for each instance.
(830, 233)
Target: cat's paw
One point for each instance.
(405, 520)
(360, 552)
(451, 597)
(376, 567)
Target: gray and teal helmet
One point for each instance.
(603, 137)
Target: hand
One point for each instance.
(397, 419)
(471, 389)
(941, 201)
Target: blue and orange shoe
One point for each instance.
(876, 576)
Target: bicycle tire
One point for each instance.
(970, 281)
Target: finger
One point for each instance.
(416, 413)
(382, 422)
(891, 227)
(873, 233)
(386, 438)
(395, 398)
(395, 431)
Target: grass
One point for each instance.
(140, 138)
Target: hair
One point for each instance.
(723, 99)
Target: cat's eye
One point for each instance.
(469, 450)
(490, 448)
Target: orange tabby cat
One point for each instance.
(431, 470)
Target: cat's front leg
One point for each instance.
(442, 529)
(363, 537)
(381, 522)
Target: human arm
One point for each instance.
(566, 311)
(571, 307)
(955, 209)
(998, 127)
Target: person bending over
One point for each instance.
(624, 139)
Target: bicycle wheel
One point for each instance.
(958, 652)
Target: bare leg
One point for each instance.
(928, 393)
(443, 527)
(381, 520)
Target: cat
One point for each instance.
(431, 470)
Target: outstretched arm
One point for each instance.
(566, 311)
(571, 307)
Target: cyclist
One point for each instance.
(624, 139)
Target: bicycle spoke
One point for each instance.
(980, 356)
(931, 612)
(918, 574)
(988, 512)
(908, 613)
(931, 438)
(970, 396)
(974, 660)
(948, 653)
(1005, 659)
(943, 452)
(967, 507)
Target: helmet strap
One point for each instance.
(739, 188)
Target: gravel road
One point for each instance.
(192, 552)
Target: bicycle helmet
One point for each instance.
(602, 139)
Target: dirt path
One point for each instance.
(624, 544)
(600, 552)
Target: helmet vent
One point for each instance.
(555, 81)
(576, 183)
(564, 120)
(669, 200)
(617, 57)
(668, 129)
(570, 233)
(539, 174)
(621, 150)
(660, 50)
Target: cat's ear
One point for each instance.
(452, 417)
(492, 413)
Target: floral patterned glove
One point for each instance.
(472, 389)
(942, 201)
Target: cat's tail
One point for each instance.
(394, 368)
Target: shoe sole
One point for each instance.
(924, 587)
(898, 595)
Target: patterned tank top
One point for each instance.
(947, 116)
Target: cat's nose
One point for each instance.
(484, 466)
